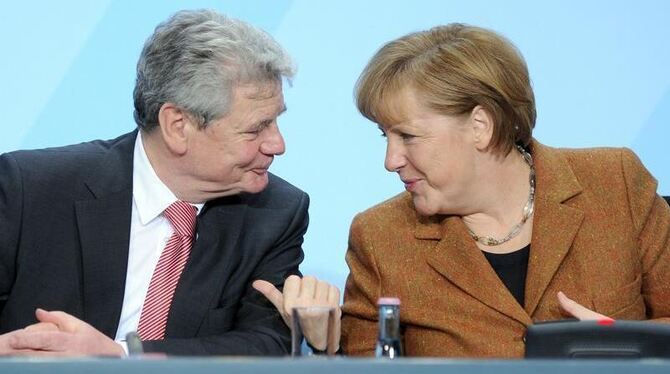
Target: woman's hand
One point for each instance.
(577, 310)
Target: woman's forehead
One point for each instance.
(399, 106)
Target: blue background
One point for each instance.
(599, 69)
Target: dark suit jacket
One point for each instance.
(64, 235)
(601, 234)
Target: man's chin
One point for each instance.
(258, 184)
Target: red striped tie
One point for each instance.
(153, 318)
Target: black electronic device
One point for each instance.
(603, 339)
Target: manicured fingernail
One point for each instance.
(606, 321)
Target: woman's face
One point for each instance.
(433, 154)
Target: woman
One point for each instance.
(496, 231)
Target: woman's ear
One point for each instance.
(482, 127)
(173, 123)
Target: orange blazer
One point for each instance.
(601, 234)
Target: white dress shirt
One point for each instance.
(149, 232)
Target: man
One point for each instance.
(162, 230)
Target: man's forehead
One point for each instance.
(260, 90)
(262, 98)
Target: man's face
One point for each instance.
(232, 155)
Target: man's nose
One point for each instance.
(274, 143)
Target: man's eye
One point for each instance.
(259, 128)
(407, 136)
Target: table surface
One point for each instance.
(337, 365)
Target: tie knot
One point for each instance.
(182, 217)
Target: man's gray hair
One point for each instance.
(195, 59)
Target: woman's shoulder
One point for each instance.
(591, 155)
(588, 163)
(395, 211)
(611, 157)
(613, 176)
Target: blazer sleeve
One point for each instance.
(11, 191)
(359, 312)
(651, 219)
(259, 328)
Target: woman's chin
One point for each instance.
(423, 207)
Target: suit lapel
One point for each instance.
(555, 224)
(103, 220)
(458, 259)
(212, 261)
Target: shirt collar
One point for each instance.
(150, 194)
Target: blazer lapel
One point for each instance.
(212, 261)
(459, 259)
(555, 224)
(103, 220)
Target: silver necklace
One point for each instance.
(527, 209)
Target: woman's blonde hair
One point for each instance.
(453, 68)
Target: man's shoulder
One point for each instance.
(280, 185)
(70, 165)
(75, 155)
(278, 194)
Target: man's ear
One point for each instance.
(173, 125)
(482, 127)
